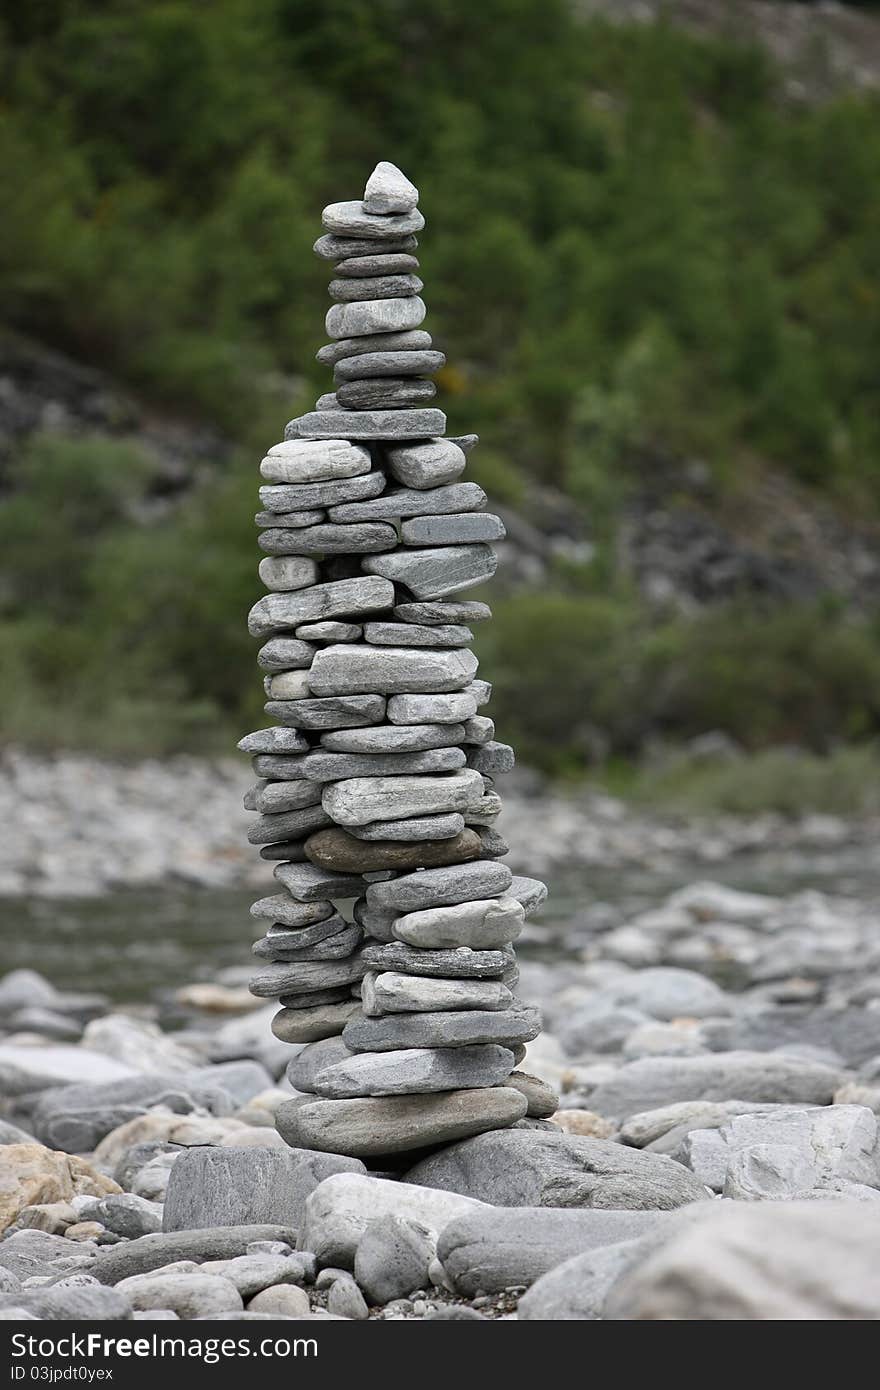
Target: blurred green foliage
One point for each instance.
(635, 249)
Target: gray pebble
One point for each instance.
(361, 538)
(395, 264)
(456, 529)
(350, 220)
(289, 497)
(455, 497)
(364, 316)
(374, 287)
(444, 1029)
(434, 573)
(337, 248)
(335, 712)
(414, 340)
(379, 364)
(367, 424)
(428, 464)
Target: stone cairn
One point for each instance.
(376, 780)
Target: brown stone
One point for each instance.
(31, 1175)
(337, 849)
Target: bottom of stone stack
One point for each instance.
(412, 1030)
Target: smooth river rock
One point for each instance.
(346, 669)
(427, 465)
(441, 887)
(414, 1071)
(483, 924)
(393, 992)
(431, 573)
(341, 598)
(403, 502)
(445, 1029)
(360, 800)
(310, 461)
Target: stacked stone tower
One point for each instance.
(389, 944)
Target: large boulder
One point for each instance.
(230, 1186)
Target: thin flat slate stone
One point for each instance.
(448, 709)
(308, 884)
(276, 942)
(441, 613)
(388, 190)
(354, 670)
(335, 712)
(288, 521)
(314, 461)
(374, 287)
(289, 497)
(417, 828)
(413, 635)
(389, 738)
(459, 964)
(365, 316)
(434, 573)
(350, 220)
(385, 393)
(426, 465)
(321, 767)
(531, 892)
(470, 1028)
(463, 528)
(362, 538)
(281, 907)
(441, 887)
(379, 364)
(303, 976)
(330, 632)
(274, 740)
(455, 497)
(367, 424)
(413, 1071)
(485, 924)
(338, 248)
(413, 340)
(269, 830)
(357, 267)
(340, 995)
(371, 1126)
(314, 1023)
(272, 798)
(290, 850)
(394, 993)
(341, 598)
(337, 850)
(285, 573)
(360, 800)
(336, 947)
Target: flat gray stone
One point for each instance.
(396, 263)
(413, 1071)
(543, 1168)
(393, 992)
(443, 612)
(449, 709)
(291, 850)
(148, 1253)
(441, 887)
(350, 288)
(362, 538)
(337, 946)
(413, 635)
(385, 393)
(443, 1029)
(330, 632)
(343, 669)
(428, 464)
(288, 825)
(336, 248)
(229, 1186)
(498, 1248)
(351, 220)
(387, 364)
(313, 1023)
(314, 461)
(493, 758)
(334, 712)
(289, 571)
(309, 884)
(457, 528)
(302, 977)
(287, 685)
(389, 738)
(761, 1076)
(284, 654)
(360, 800)
(484, 924)
(414, 340)
(431, 573)
(368, 1126)
(460, 964)
(416, 828)
(274, 944)
(290, 497)
(367, 424)
(455, 497)
(273, 798)
(275, 740)
(289, 521)
(392, 1258)
(361, 317)
(315, 997)
(531, 892)
(388, 190)
(324, 766)
(341, 598)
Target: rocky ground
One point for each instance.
(714, 1155)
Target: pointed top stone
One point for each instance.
(389, 190)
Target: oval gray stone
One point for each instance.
(360, 800)
(455, 497)
(336, 248)
(364, 316)
(379, 364)
(314, 461)
(396, 263)
(350, 220)
(374, 287)
(413, 340)
(393, 992)
(439, 887)
(428, 464)
(413, 1071)
(362, 538)
(354, 670)
(443, 1029)
(290, 497)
